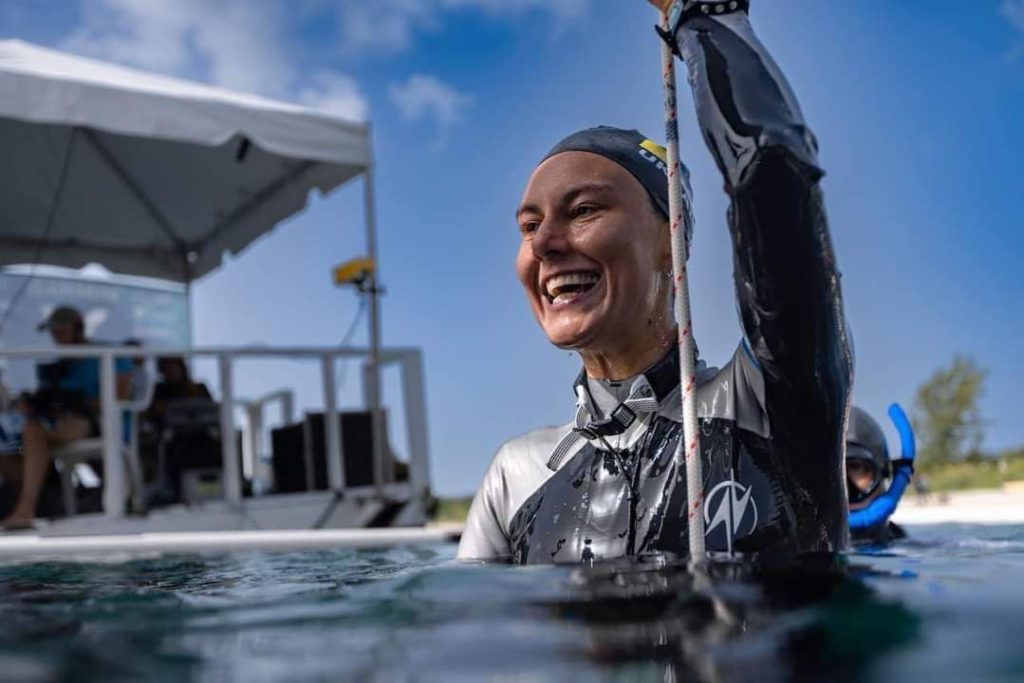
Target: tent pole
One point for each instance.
(189, 329)
(190, 361)
(373, 376)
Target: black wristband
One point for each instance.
(699, 9)
(903, 462)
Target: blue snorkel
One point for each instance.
(880, 509)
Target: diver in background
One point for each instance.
(874, 481)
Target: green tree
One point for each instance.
(947, 419)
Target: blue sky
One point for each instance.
(917, 108)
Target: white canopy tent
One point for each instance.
(150, 175)
(158, 177)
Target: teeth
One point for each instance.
(554, 286)
(564, 296)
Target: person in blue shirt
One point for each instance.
(65, 409)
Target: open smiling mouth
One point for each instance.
(568, 287)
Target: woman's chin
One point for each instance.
(569, 343)
(573, 337)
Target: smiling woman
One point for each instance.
(595, 263)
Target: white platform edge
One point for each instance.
(30, 546)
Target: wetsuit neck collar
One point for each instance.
(662, 377)
(646, 394)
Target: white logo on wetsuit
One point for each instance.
(733, 508)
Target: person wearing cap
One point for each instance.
(594, 262)
(63, 410)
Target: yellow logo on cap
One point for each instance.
(654, 153)
(655, 149)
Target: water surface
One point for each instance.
(947, 605)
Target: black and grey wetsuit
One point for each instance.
(771, 420)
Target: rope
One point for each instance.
(688, 449)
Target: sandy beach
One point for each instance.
(997, 506)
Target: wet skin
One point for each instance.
(582, 213)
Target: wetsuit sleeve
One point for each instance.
(484, 536)
(787, 283)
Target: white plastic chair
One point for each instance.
(78, 452)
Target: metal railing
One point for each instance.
(252, 431)
(408, 360)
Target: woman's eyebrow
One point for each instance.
(573, 193)
(526, 208)
(570, 196)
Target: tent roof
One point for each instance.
(150, 175)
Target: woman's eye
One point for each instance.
(529, 228)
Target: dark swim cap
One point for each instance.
(643, 158)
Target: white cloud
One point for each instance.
(231, 43)
(1013, 10)
(426, 97)
(335, 93)
(244, 45)
(389, 26)
(384, 25)
(563, 8)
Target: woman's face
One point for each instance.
(594, 255)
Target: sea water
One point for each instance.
(948, 604)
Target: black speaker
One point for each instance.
(289, 446)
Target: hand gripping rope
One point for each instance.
(688, 449)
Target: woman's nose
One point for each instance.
(550, 241)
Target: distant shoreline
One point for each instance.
(992, 506)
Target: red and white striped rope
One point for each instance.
(688, 450)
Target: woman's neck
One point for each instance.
(629, 360)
